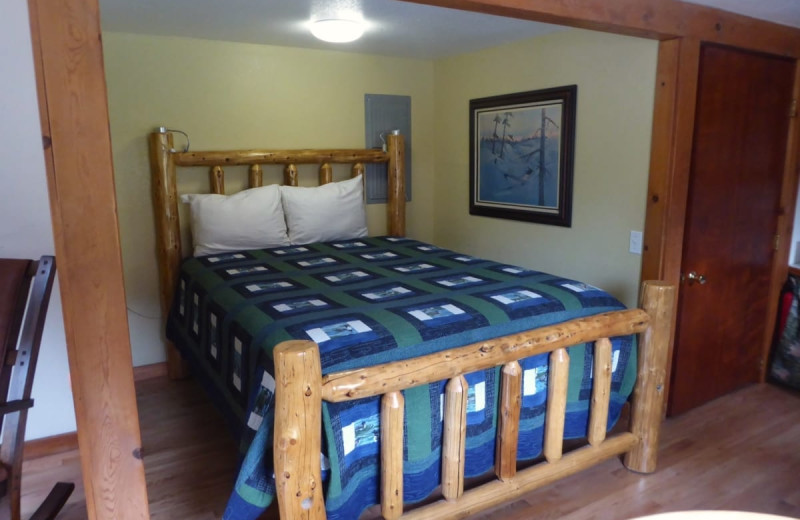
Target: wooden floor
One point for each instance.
(739, 452)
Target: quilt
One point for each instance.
(370, 301)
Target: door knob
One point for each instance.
(694, 277)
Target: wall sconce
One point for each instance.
(164, 130)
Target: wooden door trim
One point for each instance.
(77, 148)
(654, 19)
(780, 267)
(670, 162)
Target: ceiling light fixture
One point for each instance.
(337, 30)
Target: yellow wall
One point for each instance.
(615, 77)
(231, 95)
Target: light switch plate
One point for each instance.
(635, 245)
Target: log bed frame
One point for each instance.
(301, 387)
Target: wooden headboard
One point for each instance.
(164, 162)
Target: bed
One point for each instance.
(382, 370)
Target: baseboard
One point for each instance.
(45, 446)
(144, 372)
(37, 448)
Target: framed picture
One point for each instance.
(521, 155)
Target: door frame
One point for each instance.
(758, 347)
(74, 114)
(668, 187)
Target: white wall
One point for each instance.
(25, 226)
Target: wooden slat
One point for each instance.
(454, 438)
(557, 385)
(325, 173)
(245, 157)
(73, 107)
(601, 391)
(392, 455)
(657, 19)
(255, 176)
(497, 491)
(298, 430)
(357, 169)
(648, 394)
(290, 175)
(390, 377)
(216, 178)
(505, 465)
(396, 185)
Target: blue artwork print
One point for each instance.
(521, 153)
(519, 156)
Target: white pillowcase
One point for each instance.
(250, 219)
(333, 211)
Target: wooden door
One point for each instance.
(741, 131)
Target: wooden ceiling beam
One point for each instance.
(655, 19)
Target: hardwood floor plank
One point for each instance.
(740, 452)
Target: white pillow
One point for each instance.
(250, 219)
(333, 211)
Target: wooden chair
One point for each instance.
(25, 287)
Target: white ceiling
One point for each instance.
(394, 28)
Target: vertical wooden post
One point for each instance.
(648, 396)
(325, 173)
(392, 455)
(558, 381)
(455, 437)
(73, 108)
(298, 430)
(395, 146)
(671, 158)
(290, 175)
(255, 176)
(601, 392)
(168, 235)
(216, 177)
(505, 464)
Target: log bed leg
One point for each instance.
(298, 431)
(648, 396)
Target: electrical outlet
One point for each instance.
(635, 245)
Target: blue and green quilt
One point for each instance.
(370, 301)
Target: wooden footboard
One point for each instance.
(300, 389)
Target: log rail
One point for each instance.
(300, 391)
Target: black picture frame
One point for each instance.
(522, 149)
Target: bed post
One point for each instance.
(395, 146)
(297, 442)
(168, 233)
(648, 395)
